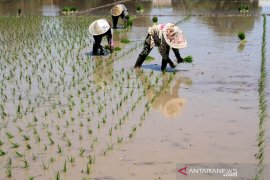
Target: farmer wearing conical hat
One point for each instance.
(119, 10)
(163, 36)
(99, 29)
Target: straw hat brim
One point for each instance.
(99, 27)
(117, 10)
(177, 40)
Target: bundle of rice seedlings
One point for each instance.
(188, 59)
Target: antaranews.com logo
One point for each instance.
(221, 171)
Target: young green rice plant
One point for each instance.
(126, 41)
(25, 164)
(57, 176)
(34, 157)
(38, 139)
(2, 153)
(139, 8)
(149, 58)
(9, 135)
(82, 151)
(188, 59)
(241, 36)
(65, 166)
(71, 159)
(14, 145)
(8, 171)
(69, 144)
(26, 137)
(59, 149)
(119, 140)
(28, 147)
(155, 19)
(80, 136)
(243, 8)
(51, 140)
(18, 154)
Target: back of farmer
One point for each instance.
(164, 37)
(99, 29)
(117, 11)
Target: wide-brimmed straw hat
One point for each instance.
(99, 27)
(117, 10)
(173, 36)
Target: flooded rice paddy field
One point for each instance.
(66, 114)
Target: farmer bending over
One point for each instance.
(119, 10)
(99, 29)
(163, 36)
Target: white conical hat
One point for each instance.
(173, 36)
(99, 27)
(117, 10)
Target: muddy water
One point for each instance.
(217, 121)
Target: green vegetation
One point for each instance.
(155, 19)
(188, 59)
(243, 8)
(241, 36)
(125, 41)
(139, 8)
(67, 9)
(149, 58)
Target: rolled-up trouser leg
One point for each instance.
(95, 49)
(115, 21)
(146, 50)
(163, 64)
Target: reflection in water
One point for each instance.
(168, 101)
(103, 73)
(45, 7)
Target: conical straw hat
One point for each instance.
(99, 27)
(117, 10)
(174, 36)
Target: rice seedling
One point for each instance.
(25, 164)
(71, 159)
(82, 151)
(188, 59)
(51, 140)
(139, 8)
(59, 149)
(2, 153)
(8, 171)
(119, 140)
(18, 154)
(34, 157)
(26, 137)
(149, 58)
(125, 41)
(28, 146)
(57, 176)
(65, 166)
(243, 8)
(14, 145)
(155, 19)
(9, 135)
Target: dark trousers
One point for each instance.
(115, 19)
(164, 50)
(97, 45)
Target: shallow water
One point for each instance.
(208, 113)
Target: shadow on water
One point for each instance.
(156, 67)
